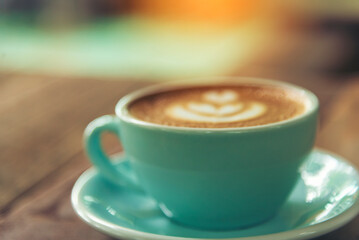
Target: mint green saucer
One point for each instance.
(325, 198)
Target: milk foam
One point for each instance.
(216, 107)
(220, 106)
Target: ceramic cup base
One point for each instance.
(215, 225)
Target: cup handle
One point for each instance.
(96, 154)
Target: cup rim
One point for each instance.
(123, 113)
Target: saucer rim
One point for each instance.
(117, 231)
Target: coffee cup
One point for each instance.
(209, 172)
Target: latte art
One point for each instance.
(219, 106)
(220, 97)
(208, 109)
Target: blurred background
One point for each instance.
(65, 62)
(161, 40)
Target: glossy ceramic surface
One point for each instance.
(189, 170)
(325, 198)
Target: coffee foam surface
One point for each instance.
(219, 106)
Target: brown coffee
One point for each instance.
(221, 106)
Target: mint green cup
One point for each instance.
(211, 178)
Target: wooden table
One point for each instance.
(41, 155)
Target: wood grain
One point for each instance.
(340, 133)
(41, 129)
(46, 213)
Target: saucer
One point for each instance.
(325, 198)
